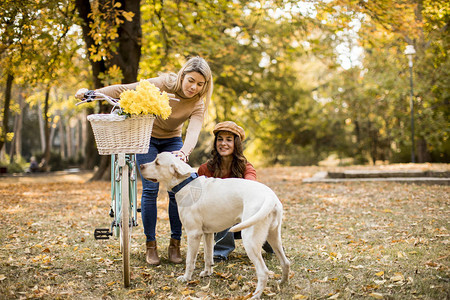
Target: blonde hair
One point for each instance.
(195, 64)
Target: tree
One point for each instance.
(112, 33)
(377, 104)
(35, 36)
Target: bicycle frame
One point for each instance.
(116, 191)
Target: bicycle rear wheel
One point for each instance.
(125, 232)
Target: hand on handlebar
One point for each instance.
(80, 93)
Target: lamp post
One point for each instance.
(409, 52)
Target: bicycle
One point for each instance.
(123, 208)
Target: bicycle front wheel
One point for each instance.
(125, 231)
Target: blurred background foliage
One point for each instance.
(305, 79)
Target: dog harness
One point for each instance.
(182, 184)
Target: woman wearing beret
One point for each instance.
(228, 161)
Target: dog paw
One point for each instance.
(205, 273)
(253, 296)
(182, 279)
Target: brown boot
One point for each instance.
(174, 252)
(152, 257)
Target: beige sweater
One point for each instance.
(187, 108)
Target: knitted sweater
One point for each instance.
(187, 108)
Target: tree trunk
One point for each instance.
(16, 143)
(129, 51)
(46, 158)
(374, 151)
(68, 132)
(62, 139)
(60, 125)
(41, 126)
(422, 151)
(84, 9)
(127, 59)
(18, 133)
(81, 140)
(4, 132)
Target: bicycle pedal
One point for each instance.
(102, 233)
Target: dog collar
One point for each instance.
(181, 185)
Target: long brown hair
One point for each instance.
(238, 165)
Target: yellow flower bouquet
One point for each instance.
(146, 99)
(129, 130)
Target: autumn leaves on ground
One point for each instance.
(345, 241)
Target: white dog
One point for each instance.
(208, 205)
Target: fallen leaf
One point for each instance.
(376, 295)
(431, 264)
(401, 254)
(269, 293)
(193, 282)
(151, 293)
(397, 277)
(349, 276)
(187, 292)
(134, 291)
(233, 286)
(2, 277)
(358, 267)
(379, 274)
(206, 287)
(335, 296)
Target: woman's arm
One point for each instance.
(193, 130)
(115, 90)
(250, 172)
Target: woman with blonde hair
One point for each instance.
(192, 87)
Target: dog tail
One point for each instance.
(262, 213)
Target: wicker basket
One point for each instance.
(119, 134)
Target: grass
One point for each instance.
(345, 241)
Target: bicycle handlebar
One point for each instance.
(90, 96)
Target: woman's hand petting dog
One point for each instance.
(181, 155)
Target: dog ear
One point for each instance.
(182, 169)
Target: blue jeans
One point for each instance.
(150, 190)
(224, 243)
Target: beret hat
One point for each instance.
(231, 127)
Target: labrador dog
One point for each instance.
(209, 205)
